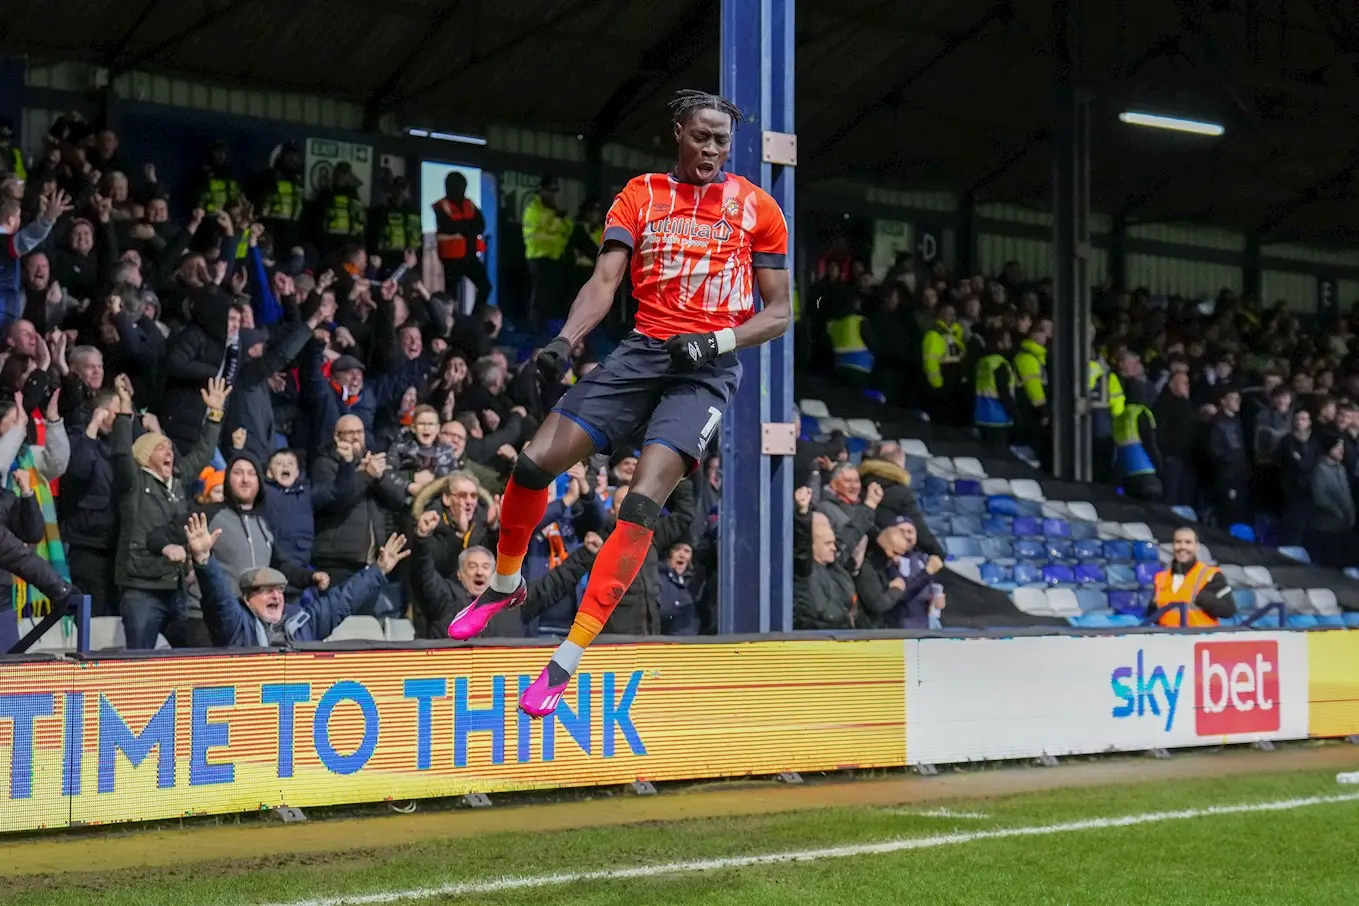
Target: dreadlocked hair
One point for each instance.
(688, 101)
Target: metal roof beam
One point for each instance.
(125, 39)
(567, 11)
(894, 97)
(213, 15)
(432, 36)
(1314, 193)
(675, 51)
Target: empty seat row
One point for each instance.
(1086, 573)
(965, 542)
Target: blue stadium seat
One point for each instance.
(961, 546)
(972, 506)
(1090, 574)
(1083, 531)
(810, 427)
(1352, 572)
(967, 487)
(1146, 552)
(1352, 619)
(1297, 553)
(940, 525)
(1056, 574)
(1331, 620)
(1092, 600)
(1056, 528)
(1125, 602)
(1146, 573)
(934, 486)
(1032, 508)
(1185, 512)
(995, 548)
(994, 574)
(936, 503)
(1118, 551)
(1103, 621)
(1245, 600)
(1026, 573)
(1301, 621)
(997, 525)
(1243, 532)
(1002, 505)
(1059, 549)
(1030, 549)
(1088, 549)
(1121, 576)
(1028, 527)
(966, 525)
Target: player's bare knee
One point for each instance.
(531, 476)
(640, 509)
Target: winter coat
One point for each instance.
(194, 355)
(823, 594)
(251, 404)
(89, 517)
(350, 527)
(679, 591)
(232, 624)
(152, 512)
(1334, 506)
(898, 499)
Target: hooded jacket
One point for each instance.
(193, 356)
(251, 404)
(248, 540)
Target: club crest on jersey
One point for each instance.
(689, 229)
(731, 207)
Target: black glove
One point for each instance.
(690, 350)
(554, 358)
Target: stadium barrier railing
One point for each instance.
(120, 736)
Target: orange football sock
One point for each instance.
(616, 565)
(521, 509)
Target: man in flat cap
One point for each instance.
(261, 617)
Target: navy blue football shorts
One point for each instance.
(635, 398)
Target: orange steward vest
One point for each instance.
(1199, 575)
(454, 248)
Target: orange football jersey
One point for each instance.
(695, 249)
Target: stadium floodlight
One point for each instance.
(1174, 123)
(447, 136)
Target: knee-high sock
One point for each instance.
(521, 509)
(616, 565)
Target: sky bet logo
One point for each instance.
(1236, 685)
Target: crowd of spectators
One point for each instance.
(338, 432)
(1241, 413)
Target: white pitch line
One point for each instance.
(938, 813)
(498, 885)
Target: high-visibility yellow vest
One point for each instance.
(942, 346)
(1132, 456)
(987, 410)
(285, 202)
(401, 230)
(545, 231)
(1031, 365)
(345, 216)
(847, 341)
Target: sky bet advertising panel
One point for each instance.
(981, 699)
(146, 739)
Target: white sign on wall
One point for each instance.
(322, 156)
(975, 699)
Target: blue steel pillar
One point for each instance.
(756, 567)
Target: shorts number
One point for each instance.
(714, 416)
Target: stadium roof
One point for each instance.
(926, 93)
